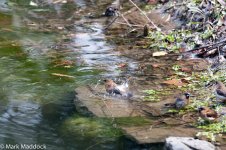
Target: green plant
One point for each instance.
(154, 95)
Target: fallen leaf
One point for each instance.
(160, 53)
(60, 1)
(122, 65)
(60, 28)
(184, 80)
(64, 63)
(156, 65)
(176, 82)
(33, 4)
(152, 2)
(62, 75)
(186, 69)
(168, 18)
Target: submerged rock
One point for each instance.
(187, 143)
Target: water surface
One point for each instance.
(37, 44)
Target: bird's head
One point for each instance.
(110, 11)
(187, 95)
(107, 80)
(215, 84)
(201, 109)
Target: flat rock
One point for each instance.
(96, 102)
(102, 105)
(187, 143)
(151, 134)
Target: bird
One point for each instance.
(180, 102)
(114, 89)
(207, 114)
(220, 91)
(110, 11)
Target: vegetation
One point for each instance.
(90, 127)
(49, 48)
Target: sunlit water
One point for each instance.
(34, 102)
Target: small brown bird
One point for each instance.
(220, 91)
(115, 89)
(207, 114)
(180, 102)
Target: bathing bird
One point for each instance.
(115, 89)
(180, 102)
(220, 91)
(207, 113)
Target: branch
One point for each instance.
(143, 13)
(210, 46)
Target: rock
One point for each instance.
(94, 101)
(158, 134)
(187, 143)
(102, 105)
(160, 53)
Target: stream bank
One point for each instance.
(168, 74)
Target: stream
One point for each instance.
(39, 41)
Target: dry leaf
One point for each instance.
(176, 82)
(122, 65)
(33, 4)
(186, 69)
(156, 65)
(62, 75)
(160, 53)
(152, 2)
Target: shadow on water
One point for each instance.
(36, 102)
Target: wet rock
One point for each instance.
(136, 20)
(102, 105)
(187, 143)
(194, 64)
(158, 134)
(96, 102)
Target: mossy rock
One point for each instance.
(90, 127)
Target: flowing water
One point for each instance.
(39, 42)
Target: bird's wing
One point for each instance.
(113, 90)
(116, 91)
(221, 92)
(211, 113)
(169, 105)
(180, 103)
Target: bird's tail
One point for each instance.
(170, 105)
(129, 94)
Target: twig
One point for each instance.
(62, 75)
(210, 46)
(130, 24)
(170, 7)
(157, 28)
(127, 22)
(111, 23)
